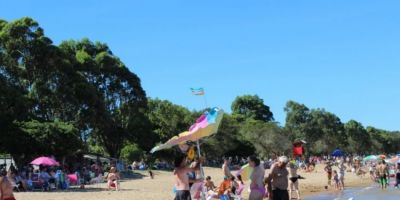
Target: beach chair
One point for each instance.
(37, 184)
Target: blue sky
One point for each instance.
(336, 54)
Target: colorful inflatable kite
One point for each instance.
(206, 125)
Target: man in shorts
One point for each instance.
(181, 177)
(382, 172)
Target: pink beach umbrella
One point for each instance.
(46, 161)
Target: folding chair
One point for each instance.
(37, 184)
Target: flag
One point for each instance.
(197, 91)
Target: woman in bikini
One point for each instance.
(112, 179)
(294, 183)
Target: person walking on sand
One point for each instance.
(277, 180)
(294, 180)
(342, 169)
(226, 168)
(257, 189)
(6, 188)
(181, 177)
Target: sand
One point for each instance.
(160, 188)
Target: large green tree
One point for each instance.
(322, 130)
(268, 138)
(358, 138)
(228, 141)
(297, 118)
(120, 103)
(327, 129)
(80, 83)
(168, 119)
(251, 107)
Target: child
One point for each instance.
(209, 185)
(151, 174)
(112, 179)
(234, 185)
(336, 179)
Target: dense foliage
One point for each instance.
(79, 97)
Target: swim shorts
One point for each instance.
(182, 195)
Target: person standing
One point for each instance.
(257, 189)
(182, 179)
(294, 180)
(328, 170)
(226, 168)
(342, 169)
(6, 188)
(397, 176)
(278, 180)
(382, 173)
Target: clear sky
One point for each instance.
(339, 55)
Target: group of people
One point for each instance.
(28, 178)
(336, 175)
(382, 173)
(45, 178)
(274, 185)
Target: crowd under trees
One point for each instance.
(78, 97)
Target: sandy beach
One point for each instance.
(160, 188)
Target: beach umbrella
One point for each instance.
(394, 159)
(338, 153)
(46, 161)
(245, 172)
(370, 158)
(206, 125)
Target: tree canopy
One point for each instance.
(251, 106)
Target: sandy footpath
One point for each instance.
(160, 188)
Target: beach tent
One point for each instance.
(337, 153)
